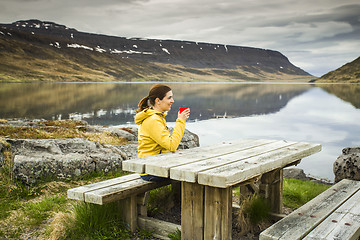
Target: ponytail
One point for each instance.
(156, 91)
(143, 104)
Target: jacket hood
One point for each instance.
(141, 116)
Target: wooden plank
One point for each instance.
(138, 164)
(237, 172)
(190, 171)
(161, 228)
(162, 167)
(271, 186)
(344, 223)
(218, 213)
(130, 212)
(192, 211)
(304, 219)
(116, 192)
(78, 192)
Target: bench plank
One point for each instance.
(344, 223)
(78, 192)
(188, 155)
(121, 191)
(189, 172)
(304, 219)
(113, 189)
(233, 173)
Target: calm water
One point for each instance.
(325, 114)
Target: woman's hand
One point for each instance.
(185, 114)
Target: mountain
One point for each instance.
(47, 51)
(349, 73)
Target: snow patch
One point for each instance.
(226, 49)
(72, 35)
(2, 33)
(57, 45)
(165, 50)
(99, 49)
(75, 45)
(135, 46)
(115, 51)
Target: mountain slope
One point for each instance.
(349, 73)
(36, 50)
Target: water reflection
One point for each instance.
(115, 103)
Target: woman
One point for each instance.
(154, 137)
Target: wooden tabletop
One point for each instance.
(225, 164)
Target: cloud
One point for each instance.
(288, 26)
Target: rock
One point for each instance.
(44, 159)
(189, 139)
(2, 160)
(127, 133)
(295, 173)
(347, 165)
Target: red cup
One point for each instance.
(182, 109)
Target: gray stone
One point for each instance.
(2, 158)
(126, 133)
(295, 173)
(347, 165)
(45, 159)
(189, 139)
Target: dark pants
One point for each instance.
(152, 178)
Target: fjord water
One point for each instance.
(325, 114)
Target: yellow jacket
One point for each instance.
(154, 137)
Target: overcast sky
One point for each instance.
(316, 35)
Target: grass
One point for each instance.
(296, 192)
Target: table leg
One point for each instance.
(192, 211)
(271, 189)
(218, 213)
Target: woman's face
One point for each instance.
(165, 104)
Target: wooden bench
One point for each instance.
(334, 214)
(128, 189)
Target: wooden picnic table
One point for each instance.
(207, 175)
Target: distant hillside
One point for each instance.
(349, 73)
(35, 50)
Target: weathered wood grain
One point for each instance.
(161, 228)
(159, 164)
(192, 211)
(233, 173)
(120, 191)
(304, 219)
(218, 213)
(78, 192)
(190, 171)
(344, 223)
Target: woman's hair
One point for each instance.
(156, 91)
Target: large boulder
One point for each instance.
(50, 159)
(347, 165)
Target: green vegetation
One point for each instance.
(348, 73)
(296, 192)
